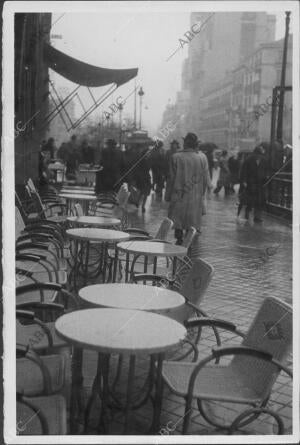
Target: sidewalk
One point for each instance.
(251, 262)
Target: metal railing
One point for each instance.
(280, 195)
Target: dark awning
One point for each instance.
(84, 74)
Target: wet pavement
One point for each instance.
(251, 261)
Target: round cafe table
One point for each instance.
(125, 332)
(149, 249)
(84, 199)
(77, 191)
(132, 296)
(85, 236)
(76, 188)
(94, 221)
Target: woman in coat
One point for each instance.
(186, 186)
(224, 178)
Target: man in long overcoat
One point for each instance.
(112, 161)
(253, 176)
(186, 186)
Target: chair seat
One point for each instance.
(43, 277)
(59, 219)
(36, 267)
(33, 216)
(34, 336)
(52, 407)
(213, 382)
(30, 379)
(47, 296)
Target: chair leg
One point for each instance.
(253, 414)
(187, 414)
(118, 373)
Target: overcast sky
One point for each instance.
(128, 40)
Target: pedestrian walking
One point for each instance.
(87, 153)
(253, 177)
(242, 201)
(141, 174)
(234, 169)
(208, 149)
(224, 177)
(174, 148)
(112, 162)
(157, 163)
(186, 186)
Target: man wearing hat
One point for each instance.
(186, 186)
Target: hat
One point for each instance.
(191, 139)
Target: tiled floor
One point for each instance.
(251, 262)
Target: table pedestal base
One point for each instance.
(110, 401)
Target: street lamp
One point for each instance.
(141, 94)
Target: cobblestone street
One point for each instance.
(251, 262)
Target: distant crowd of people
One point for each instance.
(141, 171)
(185, 174)
(70, 153)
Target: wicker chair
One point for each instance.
(191, 281)
(248, 378)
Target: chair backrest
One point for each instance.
(31, 185)
(20, 206)
(19, 222)
(188, 239)
(192, 280)
(39, 204)
(165, 227)
(272, 331)
(78, 209)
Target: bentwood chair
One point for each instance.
(46, 235)
(247, 379)
(39, 375)
(54, 211)
(35, 294)
(47, 414)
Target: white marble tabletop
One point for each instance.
(92, 234)
(131, 296)
(120, 331)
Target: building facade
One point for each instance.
(236, 112)
(222, 42)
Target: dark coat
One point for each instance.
(234, 168)
(112, 162)
(139, 177)
(254, 174)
